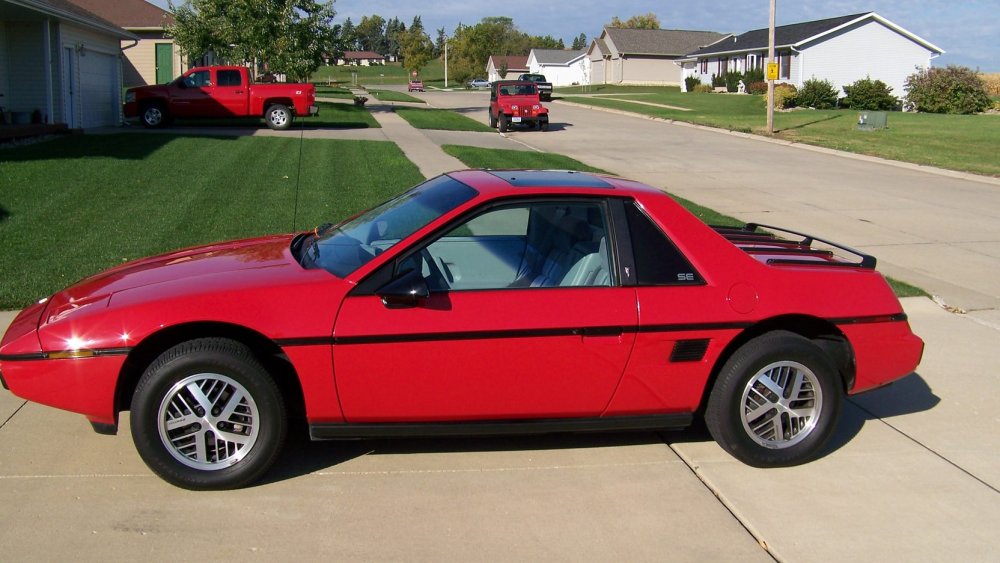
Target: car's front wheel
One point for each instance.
(154, 115)
(493, 121)
(207, 415)
(776, 401)
(502, 123)
(278, 117)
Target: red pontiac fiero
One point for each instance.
(477, 302)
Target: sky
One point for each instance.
(968, 31)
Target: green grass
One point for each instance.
(428, 118)
(393, 96)
(958, 142)
(86, 203)
(903, 289)
(333, 92)
(612, 89)
(331, 115)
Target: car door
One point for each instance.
(230, 93)
(524, 319)
(190, 95)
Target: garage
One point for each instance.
(98, 89)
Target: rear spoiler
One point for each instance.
(749, 239)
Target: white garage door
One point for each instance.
(98, 83)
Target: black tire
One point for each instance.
(750, 382)
(493, 121)
(278, 117)
(503, 125)
(154, 115)
(543, 124)
(192, 448)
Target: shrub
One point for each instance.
(718, 80)
(868, 94)
(817, 94)
(703, 88)
(753, 75)
(757, 87)
(733, 81)
(784, 96)
(690, 82)
(954, 89)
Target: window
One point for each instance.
(657, 260)
(786, 65)
(230, 78)
(543, 244)
(198, 79)
(704, 66)
(723, 65)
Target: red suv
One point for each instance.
(513, 102)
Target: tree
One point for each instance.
(580, 42)
(647, 21)
(348, 36)
(417, 49)
(439, 43)
(284, 36)
(371, 34)
(953, 89)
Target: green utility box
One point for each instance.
(873, 120)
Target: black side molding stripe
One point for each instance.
(897, 318)
(36, 356)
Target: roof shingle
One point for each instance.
(128, 14)
(784, 35)
(676, 42)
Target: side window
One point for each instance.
(198, 79)
(657, 260)
(230, 78)
(520, 246)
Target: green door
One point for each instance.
(164, 63)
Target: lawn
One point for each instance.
(475, 157)
(959, 142)
(77, 205)
(447, 120)
(331, 115)
(394, 96)
(375, 76)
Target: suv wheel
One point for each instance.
(503, 125)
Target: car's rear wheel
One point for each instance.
(776, 401)
(206, 415)
(154, 115)
(278, 117)
(493, 121)
(502, 123)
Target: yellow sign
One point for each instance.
(772, 71)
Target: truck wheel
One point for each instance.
(207, 415)
(278, 117)
(493, 121)
(503, 123)
(543, 124)
(154, 116)
(776, 401)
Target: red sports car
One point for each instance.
(476, 302)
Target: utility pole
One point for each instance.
(445, 61)
(771, 75)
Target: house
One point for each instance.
(155, 59)
(643, 56)
(361, 58)
(842, 50)
(560, 67)
(505, 68)
(61, 63)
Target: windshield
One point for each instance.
(342, 249)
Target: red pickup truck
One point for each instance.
(220, 91)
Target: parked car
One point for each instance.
(516, 103)
(544, 86)
(478, 302)
(220, 92)
(415, 86)
(478, 83)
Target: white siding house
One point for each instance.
(61, 64)
(505, 67)
(842, 50)
(560, 67)
(643, 56)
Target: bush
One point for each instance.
(718, 81)
(954, 89)
(784, 96)
(757, 87)
(733, 81)
(703, 88)
(817, 94)
(690, 82)
(868, 94)
(753, 75)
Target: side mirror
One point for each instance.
(405, 290)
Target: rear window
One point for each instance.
(230, 78)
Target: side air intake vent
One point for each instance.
(689, 350)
